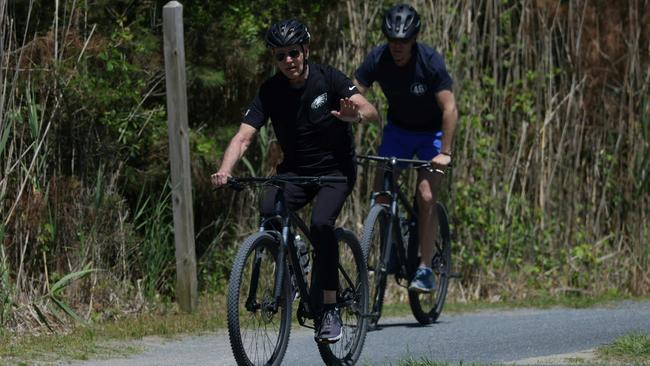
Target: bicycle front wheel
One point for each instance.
(258, 326)
(353, 303)
(427, 307)
(373, 243)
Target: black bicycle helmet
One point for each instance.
(287, 33)
(401, 22)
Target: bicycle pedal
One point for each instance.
(302, 314)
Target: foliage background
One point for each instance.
(551, 187)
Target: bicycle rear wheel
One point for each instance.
(373, 242)
(258, 330)
(353, 303)
(427, 307)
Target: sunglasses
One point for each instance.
(281, 56)
(400, 40)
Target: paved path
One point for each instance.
(501, 336)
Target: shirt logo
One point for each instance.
(418, 88)
(319, 101)
(352, 87)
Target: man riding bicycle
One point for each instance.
(311, 107)
(421, 116)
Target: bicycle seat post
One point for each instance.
(280, 204)
(391, 182)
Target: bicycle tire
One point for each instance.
(373, 242)
(427, 307)
(258, 349)
(355, 325)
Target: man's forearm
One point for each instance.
(368, 113)
(233, 153)
(449, 121)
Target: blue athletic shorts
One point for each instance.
(404, 144)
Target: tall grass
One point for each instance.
(153, 218)
(67, 238)
(5, 285)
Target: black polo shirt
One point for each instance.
(312, 139)
(411, 89)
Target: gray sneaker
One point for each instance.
(423, 281)
(330, 330)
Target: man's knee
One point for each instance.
(428, 186)
(426, 196)
(322, 227)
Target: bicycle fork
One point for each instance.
(251, 303)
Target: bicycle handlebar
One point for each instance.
(238, 183)
(394, 161)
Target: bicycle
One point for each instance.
(272, 269)
(386, 231)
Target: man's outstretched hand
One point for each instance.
(349, 111)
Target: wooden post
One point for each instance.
(179, 156)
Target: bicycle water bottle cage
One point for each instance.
(303, 254)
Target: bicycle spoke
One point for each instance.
(374, 244)
(353, 304)
(258, 333)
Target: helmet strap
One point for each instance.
(304, 60)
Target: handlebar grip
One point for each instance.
(235, 184)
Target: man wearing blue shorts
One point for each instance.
(421, 116)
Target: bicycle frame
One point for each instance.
(287, 220)
(392, 191)
(385, 224)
